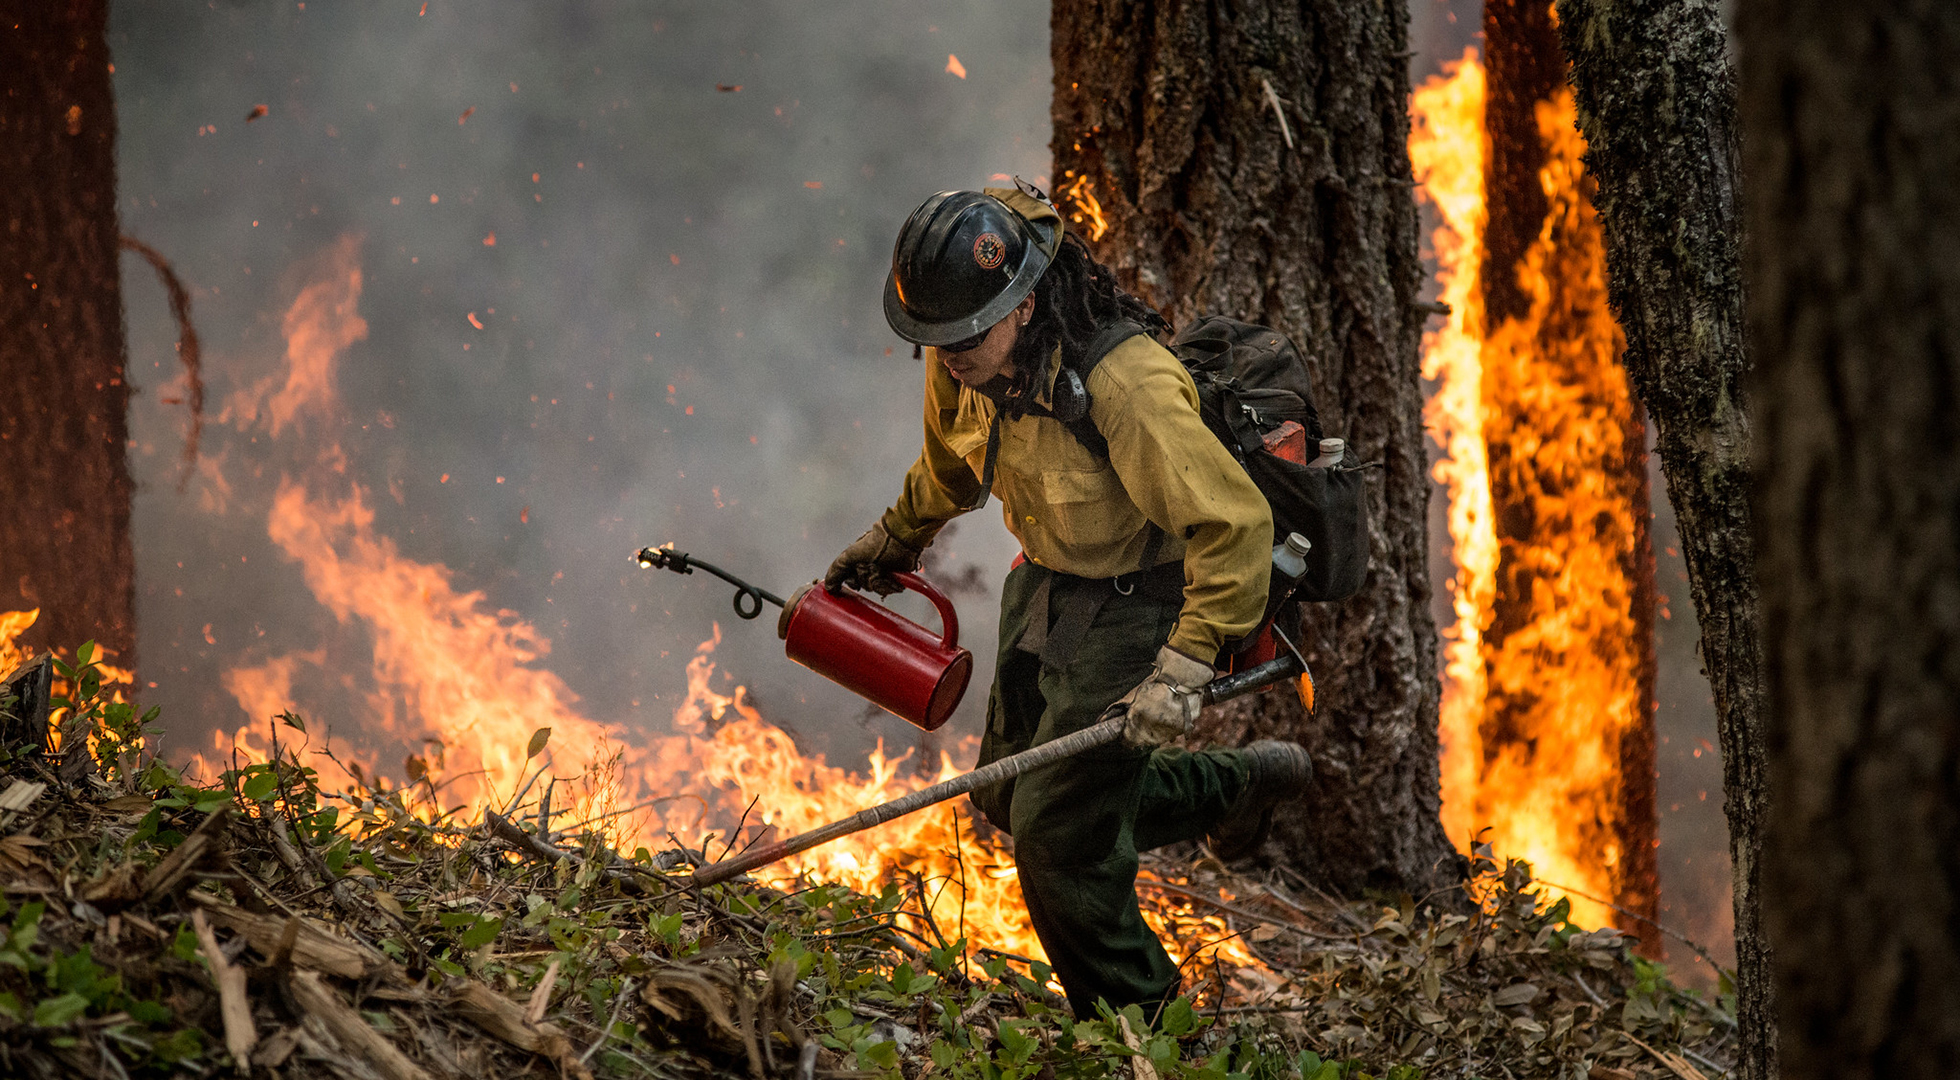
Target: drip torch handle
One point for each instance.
(949, 620)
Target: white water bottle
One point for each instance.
(1330, 454)
(1289, 566)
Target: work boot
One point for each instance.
(1275, 771)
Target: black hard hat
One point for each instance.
(961, 263)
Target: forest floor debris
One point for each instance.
(257, 924)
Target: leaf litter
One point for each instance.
(152, 924)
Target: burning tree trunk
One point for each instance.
(64, 526)
(1253, 163)
(1548, 725)
(1854, 320)
(1657, 105)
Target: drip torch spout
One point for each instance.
(680, 562)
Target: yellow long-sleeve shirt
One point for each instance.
(1079, 514)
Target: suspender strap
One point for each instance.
(987, 467)
(1072, 603)
(1079, 608)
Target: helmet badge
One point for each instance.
(989, 251)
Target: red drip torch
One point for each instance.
(863, 646)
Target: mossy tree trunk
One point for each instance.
(1174, 119)
(1656, 101)
(1851, 138)
(65, 515)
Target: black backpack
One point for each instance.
(1250, 381)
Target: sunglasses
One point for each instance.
(966, 344)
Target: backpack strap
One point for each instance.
(1079, 424)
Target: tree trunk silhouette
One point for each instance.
(1253, 162)
(1656, 103)
(1848, 120)
(65, 515)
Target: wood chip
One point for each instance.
(541, 997)
(318, 1000)
(234, 1008)
(119, 888)
(1140, 1066)
(276, 1048)
(312, 947)
(201, 846)
(504, 1019)
(20, 794)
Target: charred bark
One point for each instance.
(65, 526)
(1656, 102)
(1848, 118)
(1253, 162)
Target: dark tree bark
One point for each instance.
(1851, 134)
(64, 519)
(1570, 504)
(1657, 105)
(1174, 119)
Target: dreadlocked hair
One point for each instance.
(1074, 299)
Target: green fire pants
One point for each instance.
(1078, 824)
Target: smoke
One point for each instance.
(608, 303)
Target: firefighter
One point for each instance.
(1138, 565)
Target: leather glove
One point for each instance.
(870, 562)
(1166, 704)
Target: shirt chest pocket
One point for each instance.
(1089, 507)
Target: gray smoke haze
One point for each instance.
(727, 245)
(730, 245)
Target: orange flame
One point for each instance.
(12, 625)
(1532, 721)
(15, 623)
(462, 682)
(1081, 194)
(1446, 150)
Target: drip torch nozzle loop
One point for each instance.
(680, 562)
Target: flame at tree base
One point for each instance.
(1548, 666)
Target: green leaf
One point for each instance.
(483, 933)
(261, 787)
(56, 1011)
(293, 720)
(538, 739)
(184, 946)
(883, 1054)
(86, 653)
(180, 1046)
(1178, 1019)
(1016, 1044)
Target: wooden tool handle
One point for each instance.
(1104, 731)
